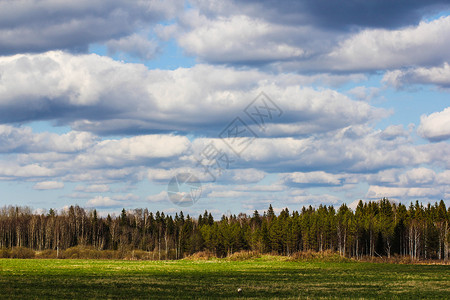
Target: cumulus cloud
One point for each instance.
(378, 49)
(127, 197)
(160, 197)
(246, 39)
(141, 147)
(129, 123)
(227, 194)
(207, 174)
(408, 183)
(439, 76)
(80, 156)
(376, 192)
(304, 198)
(93, 188)
(306, 37)
(38, 26)
(436, 126)
(122, 159)
(313, 178)
(351, 149)
(443, 178)
(415, 177)
(23, 139)
(342, 15)
(241, 39)
(354, 149)
(13, 170)
(364, 93)
(87, 92)
(134, 45)
(393, 132)
(100, 174)
(103, 202)
(48, 185)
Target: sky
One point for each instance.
(226, 106)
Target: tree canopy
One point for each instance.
(377, 228)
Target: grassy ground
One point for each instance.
(266, 277)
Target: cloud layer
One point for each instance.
(98, 94)
(336, 101)
(37, 26)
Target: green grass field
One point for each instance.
(266, 277)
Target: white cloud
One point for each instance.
(249, 175)
(130, 123)
(134, 45)
(249, 188)
(11, 170)
(208, 174)
(420, 177)
(127, 197)
(443, 178)
(378, 49)
(100, 174)
(313, 178)
(22, 139)
(423, 183)
(41, 25)
(160, 197)
(384, 177)
(144, 146)
(227, 194)
(439, 76)
(339, 16)
(355, 149)
(125, 153)
(93, 188)
(247, 34)
(309, 199)
(417, 177)
(87, 92)
(394, 132)
(81, 156)
(240, 39)
(436, 126)
(102, 201)
(364, 93)
(48, 185)
(376, 192)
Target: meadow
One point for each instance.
(263, 277)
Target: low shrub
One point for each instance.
(139, 255)
(21, 252)
(243, 255)
(49, 253)
(5, 253)
(109, 254)
(80, 252)
(201, 255)
(327, 255)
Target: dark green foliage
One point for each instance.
(375, 229)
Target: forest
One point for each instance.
(374, 229)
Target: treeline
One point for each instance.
(375, 229)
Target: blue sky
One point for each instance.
(102, 103)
